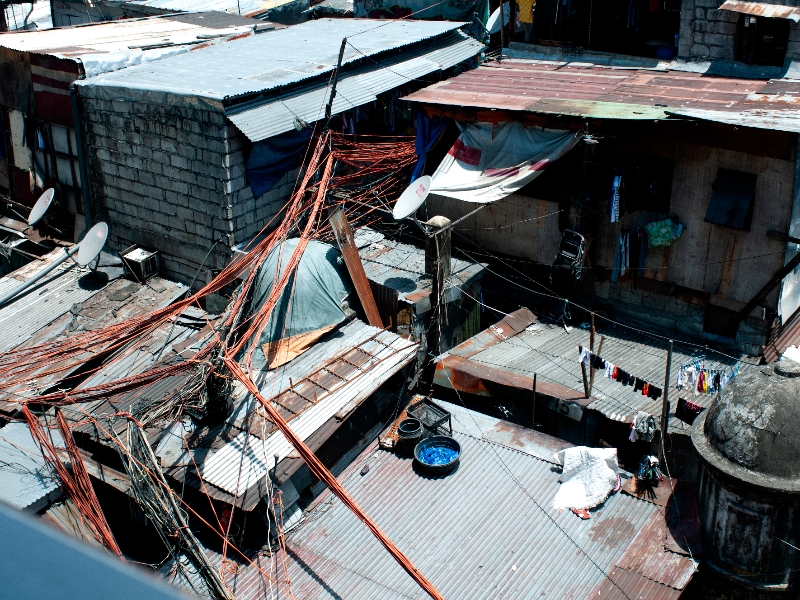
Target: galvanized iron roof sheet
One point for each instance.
(588, 90)
(487, 530)
(114, 45)
(26, 481)
(264, 63)
(244, 461)
(353, 89)
(548, 350)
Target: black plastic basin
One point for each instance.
(440, 441)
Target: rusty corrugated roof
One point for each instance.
(763, 9)
(587, 90)
(510, 352)
(485, 531)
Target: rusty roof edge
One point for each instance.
(763, 9)
(514, 322)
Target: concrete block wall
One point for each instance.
(673, 314)
(173, 178)
(707, 33)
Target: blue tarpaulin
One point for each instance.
(272, 158)
(428, 133)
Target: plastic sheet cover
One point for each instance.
(489, 162)
(312, 301)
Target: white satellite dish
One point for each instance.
(91, 245)
(41, 206)
(493, 24)
(412, 198)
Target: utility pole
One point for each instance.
(665, 411)
(329, 106)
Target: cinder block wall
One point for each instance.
(173, 179)
(707, 33)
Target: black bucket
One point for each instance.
(410, 432)
(437, 441)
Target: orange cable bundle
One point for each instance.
(76, 484)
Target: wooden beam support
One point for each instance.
(352, 260)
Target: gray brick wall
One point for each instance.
(172, 178)
(707, 33)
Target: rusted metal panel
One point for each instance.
(546, 349)
(344, 238)
(763, 9)
(609, 93)
(782, 337)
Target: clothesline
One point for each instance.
(619, 375)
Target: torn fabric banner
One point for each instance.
(489, 162)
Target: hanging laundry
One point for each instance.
(616, 196)
(687, 411)
(654, 393)
(643, 427)
(610, 370)
(662, 233)
(621, 257)
(584, 356)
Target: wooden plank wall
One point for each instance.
(725, 263)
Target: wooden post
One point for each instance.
(344, 238)
(533, 406)
(592, 372)
(591, 335)
(585, 380)
(665, 410)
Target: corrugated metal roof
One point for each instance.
(401, 267)
(487, 530)
(281, 58)
(547, 350)
(66, 516)
(47, 300)
(588, 90)
(112, 45)
(26, 482)
(247, 8)
(355, 89)
(763, 9)
(234, 471)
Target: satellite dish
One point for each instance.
(41, 206)
(91, 245)
(412, 198)
(493, 24)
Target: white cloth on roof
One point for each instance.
(489, 162)
(589, 475)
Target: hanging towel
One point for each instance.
(644, 425)
(616, 192)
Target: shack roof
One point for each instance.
(486, 530)
(246, 8)
(326, 383)
(521, 345)
(273, 84)
(111, 45)
(26, 482)
(589, 90)
(68, 301)
(401, 267)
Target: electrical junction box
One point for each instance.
(141, 264)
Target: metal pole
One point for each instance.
(665, 409)
(329, 106)
(38, 275)
(585, 381)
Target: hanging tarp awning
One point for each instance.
(763, 9)
(489, 162)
